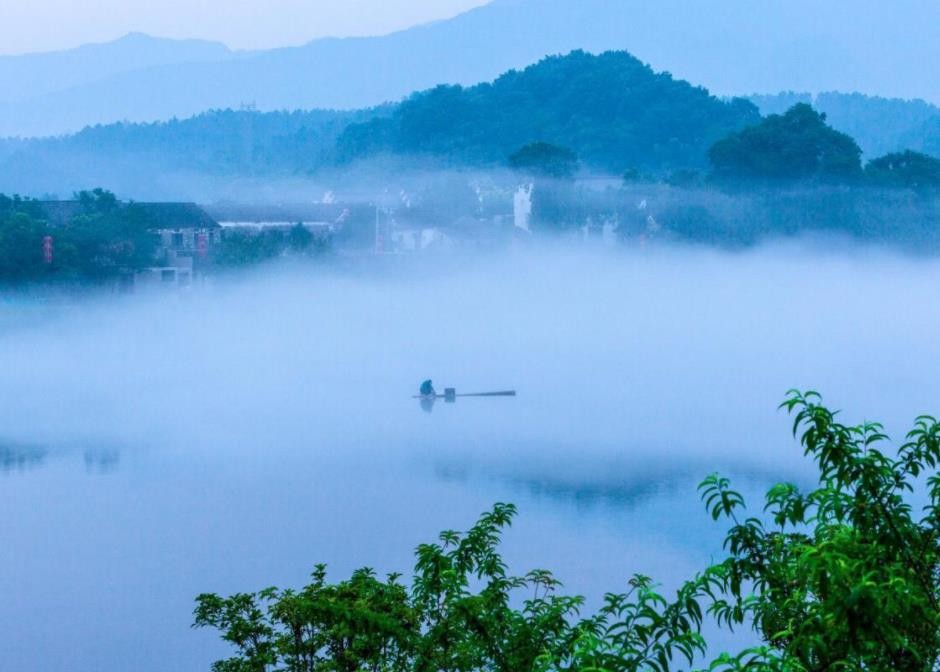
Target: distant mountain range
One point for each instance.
(31, 76)
(730, 46)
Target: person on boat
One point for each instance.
(427, 389)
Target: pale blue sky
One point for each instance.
(43, 25)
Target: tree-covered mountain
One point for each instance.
(614, 111)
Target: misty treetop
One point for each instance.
(545, 160)
(104, 237)
(796, 145)
(800, 146)
(908, 169)
(240, 247)
(611, 109)
(879, 125)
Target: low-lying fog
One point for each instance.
(226, 439)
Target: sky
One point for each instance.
(46, 25)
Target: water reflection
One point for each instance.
(624, 485)
(102, 460)
(19, 458)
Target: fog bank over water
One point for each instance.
(634, 348)
(159, 446)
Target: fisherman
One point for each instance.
(427, 389)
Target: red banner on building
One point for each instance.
(47, 249)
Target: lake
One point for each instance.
(153, 447)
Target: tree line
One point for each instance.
(879, 125)
(105, 239)
(800, 146)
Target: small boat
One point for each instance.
(427, 393)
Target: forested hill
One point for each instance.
(613, 110)
(226, 143)
(241, 141)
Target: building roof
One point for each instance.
(286, 213)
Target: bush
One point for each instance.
(840, 578)
(843, 577)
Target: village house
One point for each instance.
(187, 236)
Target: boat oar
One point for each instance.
(450, 394)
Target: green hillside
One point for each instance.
(614, 111)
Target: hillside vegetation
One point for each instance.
(220, 141)
(613, 110)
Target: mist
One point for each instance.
(150, 439)
(656, 331)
